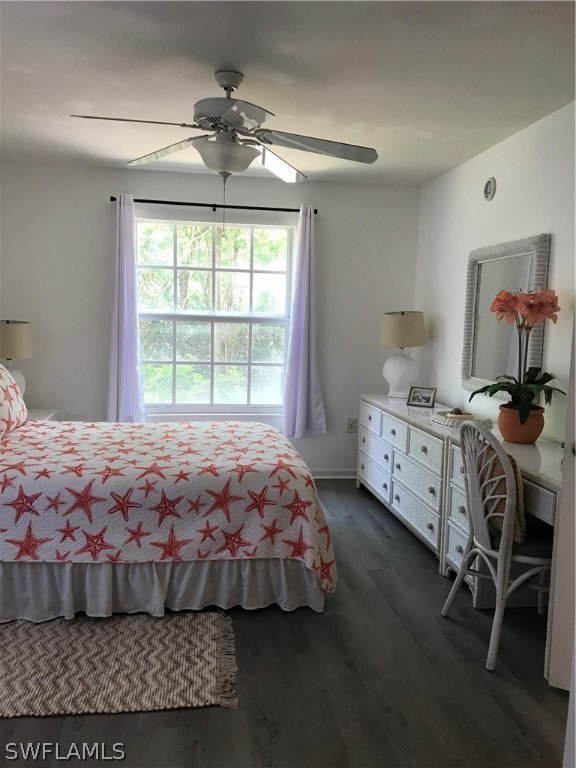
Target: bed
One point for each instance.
(105, 518)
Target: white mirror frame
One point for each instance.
(538, 247)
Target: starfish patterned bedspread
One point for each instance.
(102, 492)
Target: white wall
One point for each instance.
(57, 253)
(534, 170)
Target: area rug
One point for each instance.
(125, 663)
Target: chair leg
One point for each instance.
(495, 634)
(455, 587)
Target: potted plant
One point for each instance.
(521, 420)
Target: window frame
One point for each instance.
(214, 317)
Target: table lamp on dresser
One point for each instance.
(401, 329)
(15, 343)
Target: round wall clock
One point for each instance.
(490, 188)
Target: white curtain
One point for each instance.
(303, 404)
(125, 399)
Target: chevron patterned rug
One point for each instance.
(125, 663)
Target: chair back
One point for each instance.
(490, 486)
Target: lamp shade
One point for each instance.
(225, 157)
(15, 339)
(402, 329)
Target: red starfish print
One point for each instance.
(62, 557)
(194, 506)
(148, 487)
(211, 468)
(123, 503)
(208, 532)
(309, 482)
(84, 500)
(233, 541)
(115, 558)
(18, 467)
(109, 472)
(172, 546)
(95, 543)
(28, 545)
(251, 553)
(222, 500)
(23, 503)
(181, 476)
(136, 534)
(324, 570)
(242, 469)
(7, 482)
(325, 530)
(55, 503)
(271, 531)
(166, 507)
(298, 545)
(259, 501)
(68, 531)
(282, 465)
(298, 508)
(42, 473)
(281, 485)
(153, 469)
(77, 470)
(202, 555)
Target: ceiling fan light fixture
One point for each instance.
(226, 157)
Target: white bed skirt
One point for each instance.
(37, 591)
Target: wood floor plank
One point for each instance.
(379, 680)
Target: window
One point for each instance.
(213, 308)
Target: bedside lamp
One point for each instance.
(15, 342)
(401, 329)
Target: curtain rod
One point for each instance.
(214, 206)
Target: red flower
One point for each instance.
(537, 306)
(505, 305)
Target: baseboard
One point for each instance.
(333, 474)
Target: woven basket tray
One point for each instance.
(448, 419)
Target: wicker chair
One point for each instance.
(491, 493)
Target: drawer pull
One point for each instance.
(361, 466)
(386, 457)
(462, 470)
(369, 417)
(431, 489)
(396, 497)
(385, 486)
(397, 466)
(393, 432)
(363, 439)
(423, 449)
(430, 526)
(462, 509)
(459, 549)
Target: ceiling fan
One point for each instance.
(236, 139)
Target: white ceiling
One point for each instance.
(428, 84)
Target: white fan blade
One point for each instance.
(279, 167)
(233, 113)
(319, 146)
(130, 120)
(169, 150)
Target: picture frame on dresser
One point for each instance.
(422, 397)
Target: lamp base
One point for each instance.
(400, 371)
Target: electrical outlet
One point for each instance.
(351, 424)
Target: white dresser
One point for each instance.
(414, 466)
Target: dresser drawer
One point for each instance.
(423, 483)
(456, 466)
(427, 449)
(370, 417)
(455, 545)
(539, 502)
(395, 431)
(374, 476)
(457, 510)
(376, 449)
(417, 514)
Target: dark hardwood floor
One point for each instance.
(377, 680)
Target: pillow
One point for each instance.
(13, 411)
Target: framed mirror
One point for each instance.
(490, 347)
